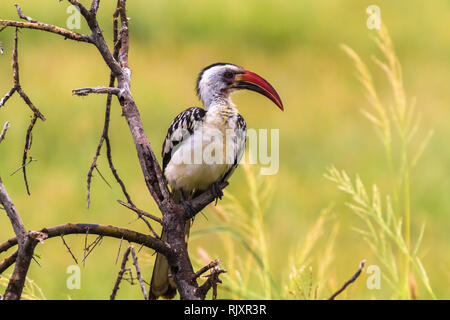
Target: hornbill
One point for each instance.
(203, 147)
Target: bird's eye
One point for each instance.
(228, 75)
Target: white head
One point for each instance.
(216, 82)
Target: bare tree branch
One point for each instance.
(138, 272)
(7, 96)
(209, 266)
(140, 212)
(98, 90)
(141, 215)
(98, 229)
(67, 34)
(121, 272)
(30, 104)
(26, 242)
(8, 261)
(22, 16)
(28, 142)
(3, 133)
(68, 249)
(105, 134)
(350, 281)
(88, 249)
(94, 7)
(212, 281)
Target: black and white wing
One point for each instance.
(181, 127)
(240, 138)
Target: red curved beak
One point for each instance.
(251, 81)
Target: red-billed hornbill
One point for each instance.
(204, 146)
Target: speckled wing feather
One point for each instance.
(240, 138)
(181, 127)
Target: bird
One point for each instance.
(203, 147)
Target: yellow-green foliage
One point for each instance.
(388, 222)
(31, 291)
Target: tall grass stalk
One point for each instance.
(243, 219)
(31, 291)
(402, 119)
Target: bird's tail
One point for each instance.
(161, 284)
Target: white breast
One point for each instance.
(204, 157)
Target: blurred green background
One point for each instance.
(294, 45)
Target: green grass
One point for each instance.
(390, 226)
(292, 248)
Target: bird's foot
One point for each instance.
(190, 213)
(216, 191)
(187, 206)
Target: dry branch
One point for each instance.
(28, 142)
(98, 229)
(33, 24)
(174, 215)
(138, 273)
(105, 133)
(68, 249)
(18, 88)
(350, 281)
(26, 242)
(3, 133)
(120, 275)
(141, 215)
(8, 261)
(67, 34)
(140, 212)
(98, 90)
(212, 280)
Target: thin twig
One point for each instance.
(92, 246)
(350, 281)
(22, 16)
(85, 246)
(105, 134)
(103, 178)
(209, 266)
(138, 272)
(141, 215)
(30, 104)
(97, 90)
(3, 133)
(8, 261)
(118, 251)
(67, 34)
(114, 171)
(28, 142)
(120, 275)
(139, 211)
(68, 249)
(211, 282)
(7, 96)
(24, 165)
